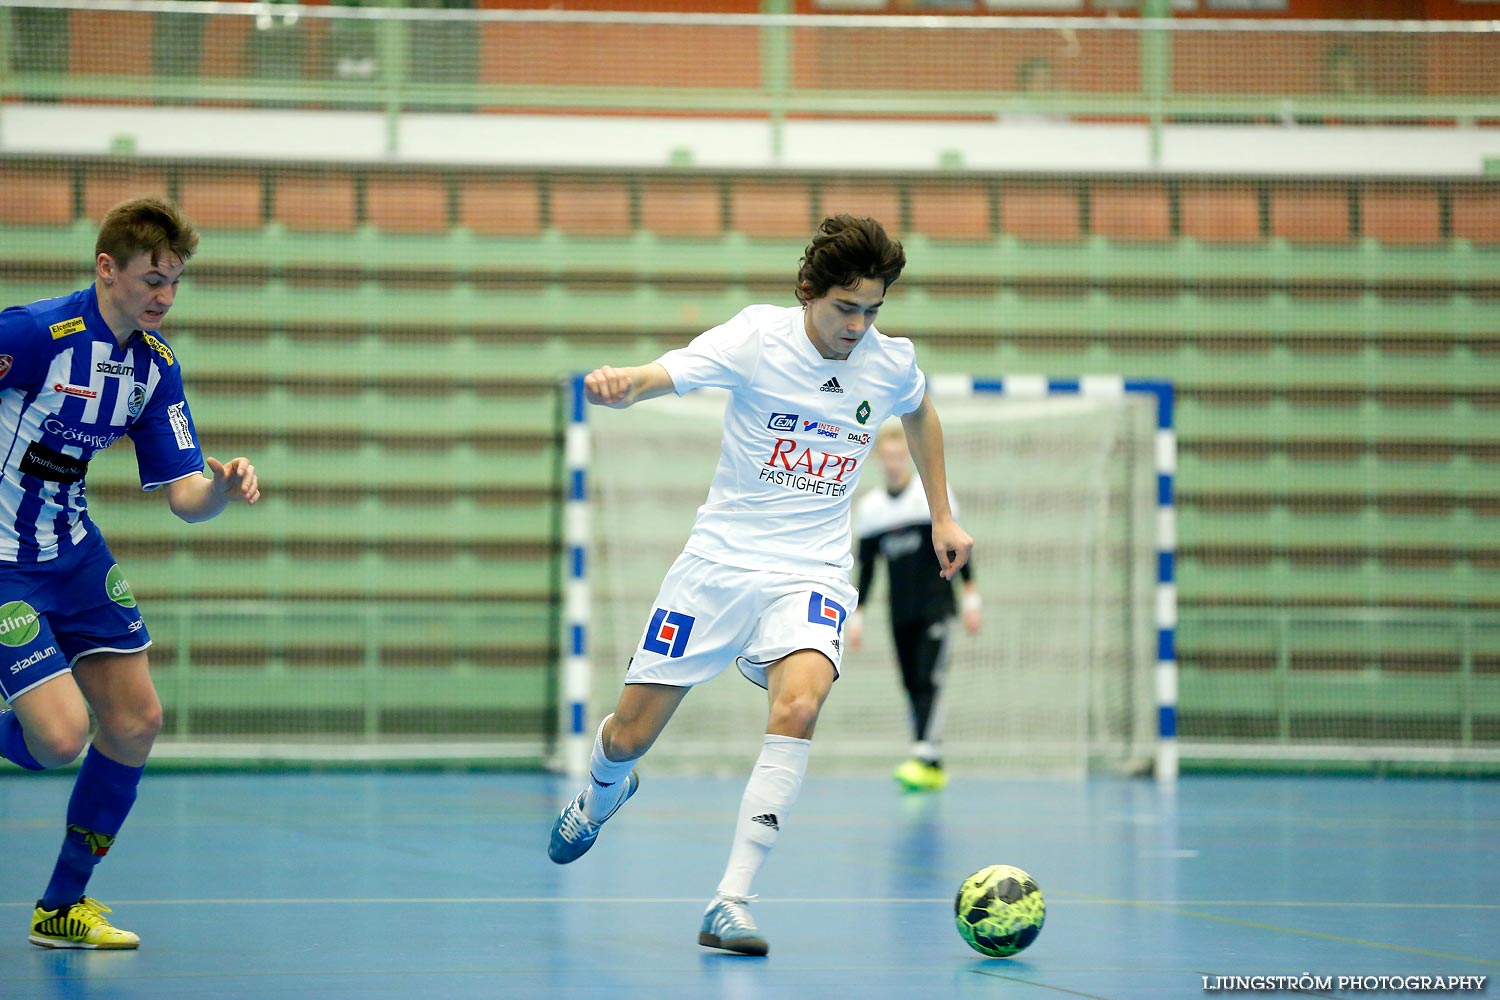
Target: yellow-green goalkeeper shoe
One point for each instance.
(79, 925)
(919, 776)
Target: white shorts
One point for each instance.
(708, 615)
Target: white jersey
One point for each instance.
(797, 431)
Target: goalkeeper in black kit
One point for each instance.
(894, 524)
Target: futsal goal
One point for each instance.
(1065, 484)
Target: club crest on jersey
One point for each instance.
(822, 610)
(66, 327)
(137, 400)
(668, 633)
(5, 362)
(779, 421)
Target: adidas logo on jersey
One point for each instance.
(766, 819)
(832, 385)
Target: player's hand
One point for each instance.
(952, 545)
(607, 386)
(236, 480)
(972, 606)
(854, 630)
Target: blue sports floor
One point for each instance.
(378, 886)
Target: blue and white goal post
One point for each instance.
(583, 617)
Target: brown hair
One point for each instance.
(145, 225)
(844, 250)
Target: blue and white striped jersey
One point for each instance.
(67, 390)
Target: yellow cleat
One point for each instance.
(919, 776)
(79, 925)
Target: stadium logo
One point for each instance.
(37, 657)
(5, 362)
(668, 633)
(118, 588)
(778, 422)
(821, 429)
(832, 385)
(18, 624)
(159, 348)
(822, 610)
(67, 326)
(115, 368)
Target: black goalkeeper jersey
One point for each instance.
(898, 529)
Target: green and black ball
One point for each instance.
(999, 910)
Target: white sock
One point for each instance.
(773, 787)
(606, 779)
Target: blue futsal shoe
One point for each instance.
(574, 833)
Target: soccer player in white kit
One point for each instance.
(763, 581)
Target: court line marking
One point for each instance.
(1164, 904)
(1383, 946)
(1043, 986)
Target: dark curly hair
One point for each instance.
(844, 250)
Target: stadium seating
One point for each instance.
(388, 346)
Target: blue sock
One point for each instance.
(102, 797)
(13, 743)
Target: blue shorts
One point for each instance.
(52, 613)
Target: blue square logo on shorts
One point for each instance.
(668, 633)
(823, 611)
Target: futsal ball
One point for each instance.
(999, 910)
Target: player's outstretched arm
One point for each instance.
(199, 498)
(621, 387)
(924, 439)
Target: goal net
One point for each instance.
(1060, 494)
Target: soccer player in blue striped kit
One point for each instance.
(763, 580)
(77, 373)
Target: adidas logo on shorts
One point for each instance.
(832, 385)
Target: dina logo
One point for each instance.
(668, 633)
(19, 623)
(823, 610)
(118, 587)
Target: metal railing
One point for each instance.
(776, 66)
